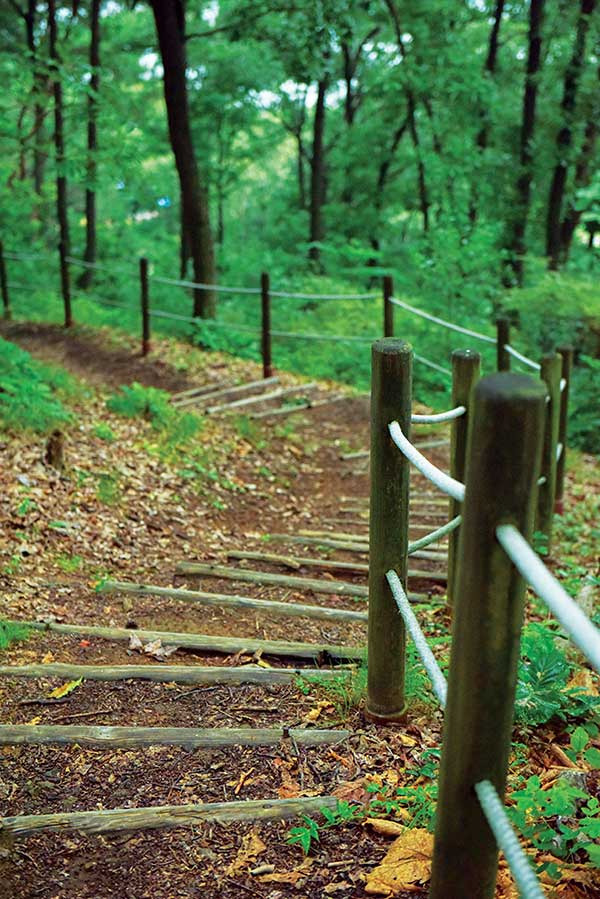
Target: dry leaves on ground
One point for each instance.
(406, 866)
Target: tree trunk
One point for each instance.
(564, 137)
(317, 182)
(59, 148)
(382, 177)
(39, 89)
(490, 69)
(89, 255)
(583, 173)
(169, 17)
(515, 242)
(300, 170)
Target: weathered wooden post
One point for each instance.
(550, 370)
(266, 325)
(391, 391)
(145, 305)
(566, 353)
(466, 367)
(503, 457)
(388, 308)
(502, 338)
(65, 284)
(4, 285)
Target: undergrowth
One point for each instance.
(32, 395)
(12, 633)
(176, 429)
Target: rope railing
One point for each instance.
(440, 321)
(559, 450)
(433, 365)
(573, 620)
(524, 359)
(438, 681)
(563, 384)
(450, 415)
(507, 840)
(197, 285)
(443, 481)
(323, 296)
(434, 536)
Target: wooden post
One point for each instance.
(566, 353)
(145, 304)
(4, 285)
(391, 391)
(503, 457)
(65, 284)
(503, 337)
(266, 325)
(550, 374)
(466, 367)
(388, 309)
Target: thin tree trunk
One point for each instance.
(59, 148)
(89, 255)
(317, 183)
(583, 173)
(300, 171)
(382, 177)
(564, 137)
(39, 89)
(490, 70)
(515, 242)
(169, 17)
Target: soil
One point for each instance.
(128, 510)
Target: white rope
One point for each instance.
(26, 257)
(92, 265)
(323, 296)
(441, 321)
(175, 282)
(160, 313)
(563, 384)
(559, 451)
(521, 357)
(577, 625)
(441, 480)
(507, 841)
(438, 681)
(541, 480)
(434, 536)
(440, 416)
(434, 365)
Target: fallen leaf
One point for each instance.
(388, 828)
(406, 865)
(315, 713)
(65, 689)
(291, 877)
(586, 681)
(353, 791)
(251, 847)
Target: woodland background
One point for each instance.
(450, 143)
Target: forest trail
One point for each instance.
(123, 512)
(273, 510)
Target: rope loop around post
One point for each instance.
(441, 480)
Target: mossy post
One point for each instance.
(550, 370)
(503, 457)
(4, 285)
(388, 309)
(566, 353)
(145, 306)
(266, 325)
(391, 391)
(502, 338)
(466, 367)
(65, 284)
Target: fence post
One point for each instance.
(466, 366)
(503, 455)
(391, 391)
(388, 309)
(4, 284)
(65, 284)
(550, 374)
(266, 325)
(502, 338)
(145, 304)
(566, 353)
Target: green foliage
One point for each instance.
(109, 489)
(104, 432)
(177, 429)
(12, 633)
(69, 563)
(544, 672)
(309, 832)
(562, 820)
(584, 414)
(344, 692)
(31, 394)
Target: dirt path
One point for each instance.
(127, 509)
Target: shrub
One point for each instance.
(31, 393)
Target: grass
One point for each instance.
(12, 633)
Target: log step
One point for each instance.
(137, 737)
(169, 674)
(205, 642)
(153, 817)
